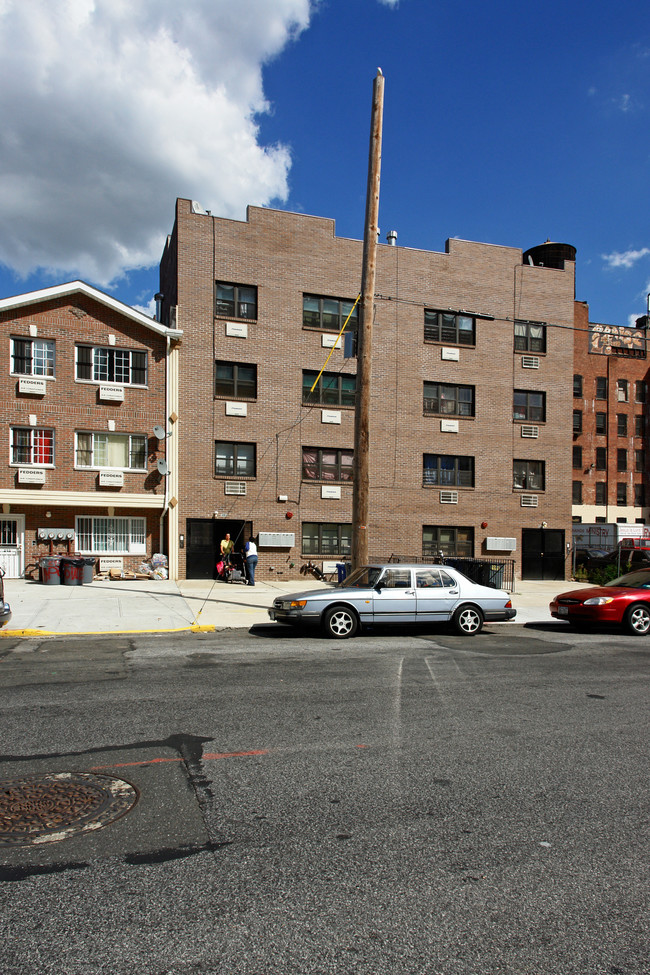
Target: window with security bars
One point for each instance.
(321, 464)
(235, 300)
(32, 357)
(111, 536)
(332, 389)
(444, 399)
(236, 379)
(528, 475)
(530, 337)
(326, 538)
(329, 314)
(32, 445)
(449, 327)
(108, 365)
(124, 451)
(443, 541)
(445, 470)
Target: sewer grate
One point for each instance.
(47, 808)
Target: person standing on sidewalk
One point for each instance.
(250, 551)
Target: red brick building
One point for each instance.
(610, 422)
(471, 391)
(87, 378)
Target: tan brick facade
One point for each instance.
(286, 255)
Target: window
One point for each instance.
(577, 421)
(321, 464)
(577, 458)
(621, 494)
(639, 425)
(639, 391)
(328, 314)
(601, 424)
(236, 300)
(639, 496)
(234, 459)
(115, 536)
(622, 391)
(621, 460)
(448, 400)
(332, 389)
(30, 445)
(442, 470)
(601, 387)
(32, 357)
(439, 540)
(576, 492)
(530, 337)
(601, 493)
(639, 461)
(326, 538)
(577, 385)
(601, 458)
(528, 475)
(446, 326)
(621, 424)
(529, 406)
(235, 379)
(124, 451)
(100, 365)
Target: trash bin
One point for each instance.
(342, 571)
(88, 570)
(72, 571)
(50, 570)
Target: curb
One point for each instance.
(207, 628)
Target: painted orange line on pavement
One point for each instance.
(148, 761)
(213, 755)
(208, 755)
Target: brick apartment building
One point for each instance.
(86, 380)
(610, 422)
(471, 394)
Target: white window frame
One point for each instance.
(96, 435)
(48, 354)
(99, 535)
(100, 372)
(32, 447)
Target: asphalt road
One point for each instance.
(418, 804)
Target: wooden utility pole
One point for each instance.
(364, 342)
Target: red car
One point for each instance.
(624, 601)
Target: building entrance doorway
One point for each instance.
(12, 546)
(203, 540)
(542, 554)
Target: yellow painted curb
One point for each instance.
(193, 628)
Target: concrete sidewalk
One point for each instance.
(146, 606)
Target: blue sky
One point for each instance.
(504, 122)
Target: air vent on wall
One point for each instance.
(527, 431)
(529, 362)
(529, 500)
(449, 497)
(235, 487)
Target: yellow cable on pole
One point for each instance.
(334, 346)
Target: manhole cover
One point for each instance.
(48, 808)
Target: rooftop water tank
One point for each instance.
(550, 255)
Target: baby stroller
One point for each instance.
(224, 570)
(237, 568)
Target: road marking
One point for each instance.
(209, 756)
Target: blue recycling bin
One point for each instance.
(342, 571)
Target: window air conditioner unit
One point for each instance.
(528, 431)
(529, 500)
(235, 487)
(529, 362)
(449, 497)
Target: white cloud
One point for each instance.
(626, 258)
(390, 3)
(111, 109)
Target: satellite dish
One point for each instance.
(162, 467)
(160, 433)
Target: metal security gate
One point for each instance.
(543, 554)
(12, 546)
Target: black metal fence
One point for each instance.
(496, 573)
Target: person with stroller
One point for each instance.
(227, 545)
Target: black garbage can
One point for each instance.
(72, 571)
(88, 571)
(50, 569)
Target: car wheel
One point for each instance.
(637, 620)
(340, 622)
(468, 620)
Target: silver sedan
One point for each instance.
(396, 594)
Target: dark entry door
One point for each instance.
(203, 540)
(542, 554)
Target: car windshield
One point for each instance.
(362, 578)
(633, 580)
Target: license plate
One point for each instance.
(563, 611)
